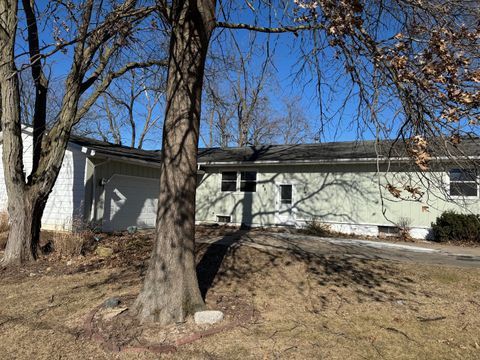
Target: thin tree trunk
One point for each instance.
(170, 291)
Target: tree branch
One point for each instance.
(108, 80)
(281, 29)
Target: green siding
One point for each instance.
(106, 169)
(343, 193)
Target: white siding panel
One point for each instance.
(65, 202)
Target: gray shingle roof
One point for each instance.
(109, 149)
(323, 152)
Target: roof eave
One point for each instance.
(331, 161)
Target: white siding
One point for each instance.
(66, 200)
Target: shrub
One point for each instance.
(68, 243)
(451, 226)
(317, 228)
(80, 240)
(403, 225)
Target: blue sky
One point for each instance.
(285, 63)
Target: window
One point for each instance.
(463, 182)
(248, 181)
(286, 194)
(229, 181)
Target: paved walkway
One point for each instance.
(427, 253)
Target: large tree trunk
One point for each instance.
(25, 213)
(170, 291)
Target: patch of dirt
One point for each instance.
(117, 329)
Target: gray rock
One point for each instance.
(208, 317)
(112, 302)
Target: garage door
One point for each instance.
(130, 201)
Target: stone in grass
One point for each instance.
(109, 314)
(111, 303)
(208, 317)
(103, 251)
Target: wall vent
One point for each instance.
(388, 230)
(224, 218)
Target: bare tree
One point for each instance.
(97, 34)
(237, 87)
(419, 66)
(132, 107)
(219, 116)
(293, 123)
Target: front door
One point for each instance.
(285, 204)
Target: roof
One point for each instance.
(347, 151)
(322, 152)
(109, 149)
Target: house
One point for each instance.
(363, 187)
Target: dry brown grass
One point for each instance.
(308, 306)
(68, 244)
(76, 242)
(4, 227)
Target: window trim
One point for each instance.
(462, 196)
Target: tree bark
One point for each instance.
(170, 291)
(25, 213)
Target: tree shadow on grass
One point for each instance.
(212, 256)
(228, 262)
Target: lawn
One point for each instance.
(299, 306)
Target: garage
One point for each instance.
(130, 201)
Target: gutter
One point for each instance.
(328, 162)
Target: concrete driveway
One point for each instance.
(428, 253)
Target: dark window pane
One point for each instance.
(463, 189)
(462, 175)
(229, 176)
(249, 175)
(229, 185)
(248, 186)
(286, 192)
(248, 181)
(229, 181)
